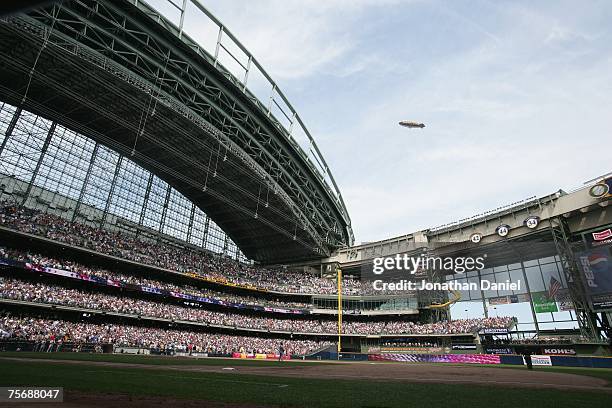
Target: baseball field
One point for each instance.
(145, 381)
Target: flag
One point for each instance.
(554, 287)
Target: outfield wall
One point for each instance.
(538, 360)
(512, 359)
(563, 361)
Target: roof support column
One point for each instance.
(77, 207)
(190, 226)
(111, 192)
(145, 202)
(533, 312)
(162, 221)
(43, 152)
(225, 244)
(205, 235)
(10, 128)
(482, 296)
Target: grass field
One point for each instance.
(151, 360)
(603, 373)
(274, 390)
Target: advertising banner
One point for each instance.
(493, 330)
(10, 262)
(502, 300)
(498, 350)
(281, 310)
(438, 358)
(259, 356)
(147, 289)
(558, 351)
(539, 360)
(542, 303)
(60, 272)
(463, 347)
(601, 237)
(596, 268)
(564, 300)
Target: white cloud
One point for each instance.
(499, 130)
(516, 98)
(295, 38)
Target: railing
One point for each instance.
(516, 206)
(236, 63)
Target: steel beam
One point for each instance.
(43, 152)
(111, 191)
(576, 287)
(10, 128)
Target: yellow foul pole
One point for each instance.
(339, 278)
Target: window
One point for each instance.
(137, 196)
(129, 193)
(199, 225)
(65, 164)
(215, 238)
(155, 205)
(6, 115)
(24, 146)
(177, 216)
(100, 180)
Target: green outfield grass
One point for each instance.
(153, 360)
(273, 391)
(603, 373)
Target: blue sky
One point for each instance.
(516, 96)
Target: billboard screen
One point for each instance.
(599, 238)
(595, 265)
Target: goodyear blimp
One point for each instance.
(411, 124)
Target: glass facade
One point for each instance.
(130, 190)
(56, 159)
(65, 163)
(154, 207)
(522, 303)
(98, 187)
(22, 150)
(177, 217)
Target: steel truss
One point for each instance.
(161, 79)
(585, 317)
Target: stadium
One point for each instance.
(170, 233)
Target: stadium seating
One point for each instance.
(16, 289)
(174, 258)
(48, 335)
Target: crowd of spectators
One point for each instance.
(186, 260)
(42, 293)
(50, 334)
(66, 265)
(169, 256)
(531, 341)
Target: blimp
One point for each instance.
(411, 124)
